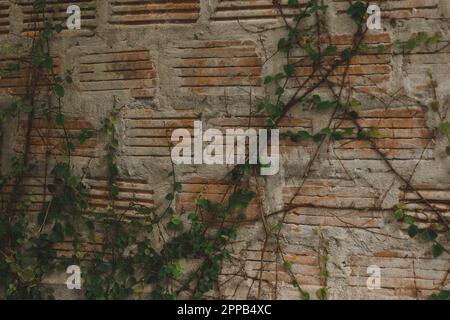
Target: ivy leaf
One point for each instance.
(363, 47)
(58, 27)
(429, 235)
(318, 137)
(411, 43)
(177, 186)
(409, 220)
(26, 107)
(322, 293)
(278, 76)
(434, 105)
(381, 48)
(84, 135)
(423, 36)
(175, 223)
(203, 203)
(357, 11)
(442, 295)
(287, 265)
(413, 230)
(49, 63)
(169, 211)
(356, 105)
(289, 69)
(169, 196)
(279, 91)
(346, 54)
(59, 90)
(59, 120)
(268, 79)
(303, 135)
(69, 79)
(398, 214)
(283, 44)
(445, 127)
(437, 250)
(330, 50)
(337, 135)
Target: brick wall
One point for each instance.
(173, 62)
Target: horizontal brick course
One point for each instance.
(57, 10)
(207, 67)
(141, 13)
(4, 17)
(130, 71)
(48, 139)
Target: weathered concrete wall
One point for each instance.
(207, 60)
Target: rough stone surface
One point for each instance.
(170, 63)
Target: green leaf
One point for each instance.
(303, 135)
(437, 250)
(423, 36)
(381, 48)
(363, 47)
(84, 135)
(346, 54)
(169, 196)
(58, 27)
(69, 79)
(398, 214)
(322, 293)
(357, 11)
(283, 44)
(447, 150)
(442, 295)
(278, 76)
(287, 265)
(434, 105)
(445, 127)
(268, 79)
(203, 203)
(413, 230)
(330, 50)
(59, 120)
(169, 211)
(279, 91)
(318, 137)
(409, 220)
(289, 69)
(411, 43)
(429, 235)
(175, 223)
(26, 107)
(59, 90)
(356, 105)
(49, 63)
(178, 186)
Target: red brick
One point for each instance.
(139, 13)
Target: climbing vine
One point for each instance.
(144, 250)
